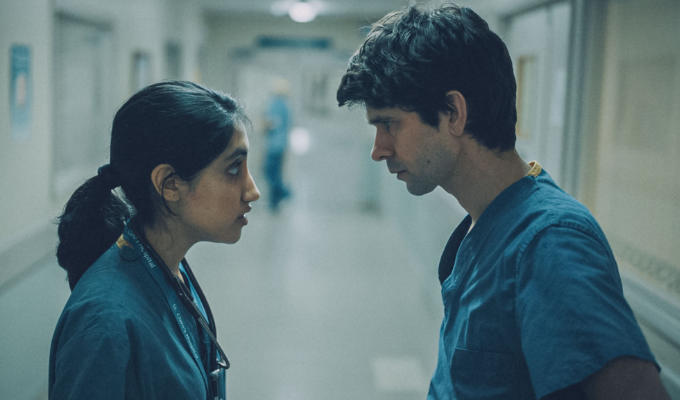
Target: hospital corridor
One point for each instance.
(332, 291)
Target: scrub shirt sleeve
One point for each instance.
(274, 115)
(91, 361)
(571, 314)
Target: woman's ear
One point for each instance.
(457, 112)
(166, 182)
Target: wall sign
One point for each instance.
(20, 91)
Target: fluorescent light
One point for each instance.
(299, 140)
(302, 12)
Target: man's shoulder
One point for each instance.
(549, 205)
(541, 207)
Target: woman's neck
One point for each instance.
(169, 247)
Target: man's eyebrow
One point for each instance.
(238, 152)
(380, 120)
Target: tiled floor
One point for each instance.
(305, 313)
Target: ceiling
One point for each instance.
(361, 8)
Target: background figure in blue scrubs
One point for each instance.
(277, 127)
(533, 301)
(137, 325)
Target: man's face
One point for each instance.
(413, 150)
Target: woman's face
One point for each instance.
(215, 202)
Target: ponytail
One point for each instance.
(92, 220)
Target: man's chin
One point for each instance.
(419, 189)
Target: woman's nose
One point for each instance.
(252, 193)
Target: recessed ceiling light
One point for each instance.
(301, 11)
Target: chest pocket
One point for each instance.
(487, 375)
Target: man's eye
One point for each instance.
(388, 125)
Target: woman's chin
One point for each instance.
(232, 238)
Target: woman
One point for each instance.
(137, 324)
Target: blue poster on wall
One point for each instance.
(20, 91)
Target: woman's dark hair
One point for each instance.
(178, 123)
(411, 58)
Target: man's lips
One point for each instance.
(399, 172)
(394, 168)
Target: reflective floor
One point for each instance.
(323, 300)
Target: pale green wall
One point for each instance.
(24, 163)
(28, 205)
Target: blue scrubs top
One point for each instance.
(124, 334)
(533, 300)
(278, 115)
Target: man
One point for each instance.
(533, 301)
(277, 125)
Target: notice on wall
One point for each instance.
(20, 92)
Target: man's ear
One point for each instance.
(165, 182)
(457, 112)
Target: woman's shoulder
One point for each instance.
(113, 287)
(112, 271)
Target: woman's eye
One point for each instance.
(234, 169)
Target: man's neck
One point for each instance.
(482, 174)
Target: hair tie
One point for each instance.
(108, 176)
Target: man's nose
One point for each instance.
(382, 148)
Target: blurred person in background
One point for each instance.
(533, 300)
(277, 127)
(137, 324)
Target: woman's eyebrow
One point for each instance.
(238, 152)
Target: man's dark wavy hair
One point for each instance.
(412, 57)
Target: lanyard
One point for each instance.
(216, 386)
(183, 293)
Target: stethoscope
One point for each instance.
(221, 363)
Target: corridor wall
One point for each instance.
(35, 188)
(25, 150)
